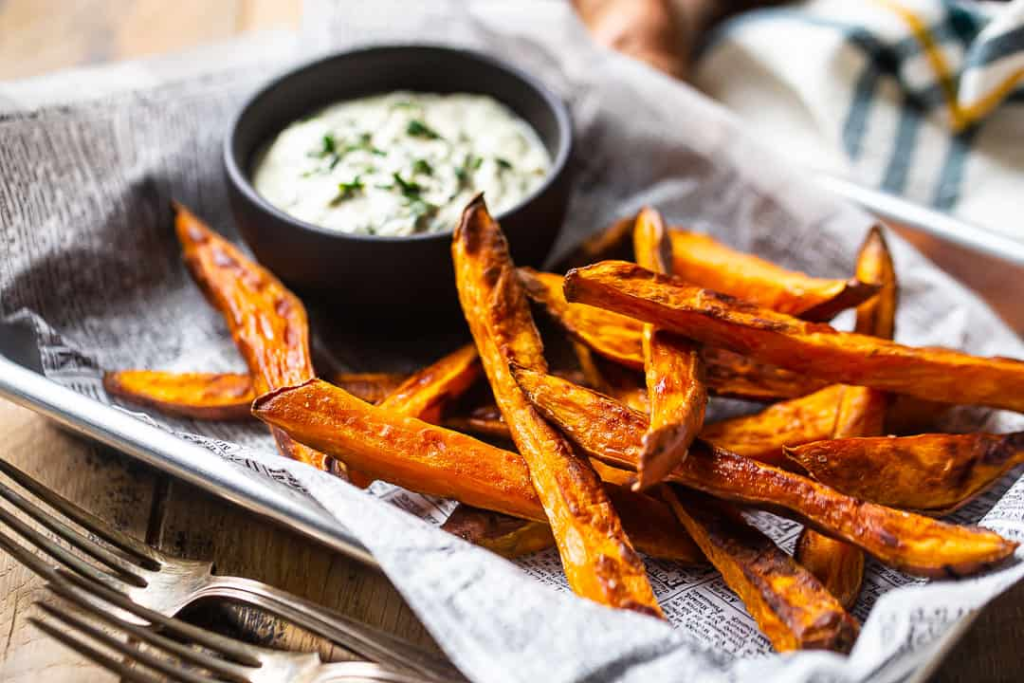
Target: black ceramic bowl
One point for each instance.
(381, 277)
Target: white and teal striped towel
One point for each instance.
(922, 98)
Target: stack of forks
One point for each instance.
(135, 591)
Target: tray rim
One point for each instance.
(173, 455)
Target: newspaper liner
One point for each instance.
(89, 261)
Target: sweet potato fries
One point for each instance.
(789, 604)
(812, 348)
(421, 457)
(933, 473)
(267, 322)
(672, 368)
(704, 262)
(196, 395)
(862, 412)
(619, 339)
(696, 317)
(597, 556)
(914, 544)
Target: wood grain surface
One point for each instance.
(40, 35)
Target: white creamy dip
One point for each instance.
(400, 164)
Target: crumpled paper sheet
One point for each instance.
(90, 159)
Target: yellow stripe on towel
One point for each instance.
(936, 59)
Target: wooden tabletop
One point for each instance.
(41, 35)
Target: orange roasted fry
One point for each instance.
(702, 261)
(812, 348)
(673, 370)
(862, 412)
(597, 556)
(619, 339)
(502, 534)
(915, 544)
(790, 606)
(267, 322)
(372, 387)
(435, 461)
(933, 473)
(762, 435)
(614, 241)
(425, 393)
(196, 395)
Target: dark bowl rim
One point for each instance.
(240, 178)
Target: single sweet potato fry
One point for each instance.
(673, 370)
(597, 556)
(915, 544)
(425, 393)
(372, 387)
(704, 262)
(619, 339)
(790, 606)
(933, 473)
(762, 435)
(507, 536)
(862, 412)
(267, 322)
(435, 461)
(812, 348)
(196, 395)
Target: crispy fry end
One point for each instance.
(790, 605)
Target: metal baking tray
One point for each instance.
(22, 381)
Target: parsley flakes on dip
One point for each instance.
(400, 164)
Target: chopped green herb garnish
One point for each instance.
(405, 104)
(348, 190)
(409, 188)
(335, 159)
(329, 145)
(503, 164)
(422, 166)
(418, 129)
(477, 161)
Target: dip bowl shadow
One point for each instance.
(377, 278)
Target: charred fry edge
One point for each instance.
(790, 605)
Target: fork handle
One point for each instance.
(362, 639)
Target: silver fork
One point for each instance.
(181, 659)
(167, 584)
